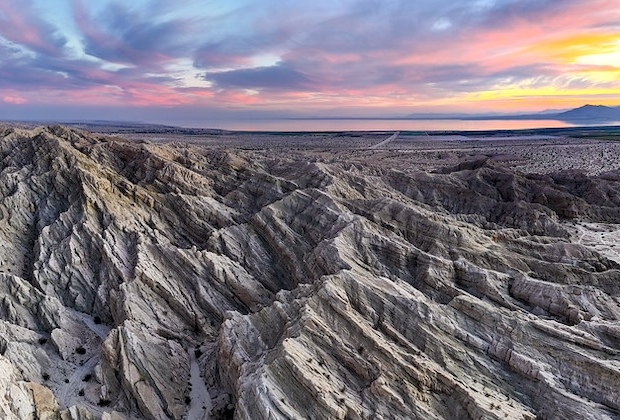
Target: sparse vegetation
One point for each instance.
(80, 350)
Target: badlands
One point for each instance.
(308, 276)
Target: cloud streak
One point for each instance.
(288, 55)
(277, 77)
(21, 25)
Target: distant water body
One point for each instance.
(374, 125)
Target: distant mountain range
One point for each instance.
(586, 113)
(583, 114)
(591, 113)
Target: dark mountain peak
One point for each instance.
(591, 112)
(591, 107)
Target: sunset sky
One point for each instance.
(157, 60)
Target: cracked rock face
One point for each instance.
(182, 281)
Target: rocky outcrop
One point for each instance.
(131, 272)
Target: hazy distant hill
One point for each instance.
(591, 112)
(584, 113)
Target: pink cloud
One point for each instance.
(14, 100)
(22, 26)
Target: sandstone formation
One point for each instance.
(171, 280)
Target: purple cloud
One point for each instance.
(278, 77)
(127, 36)
(22, 25)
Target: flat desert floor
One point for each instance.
(410, 152)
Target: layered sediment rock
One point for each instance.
(130, 272)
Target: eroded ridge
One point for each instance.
(171, 280)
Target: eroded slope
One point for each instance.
(130, 271)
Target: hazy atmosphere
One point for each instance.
(155, 59)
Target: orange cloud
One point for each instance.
(571, 48)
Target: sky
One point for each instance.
(156, 60)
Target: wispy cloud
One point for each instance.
(14, 99)
(122, 35)
(279, 77)
(21, 25)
